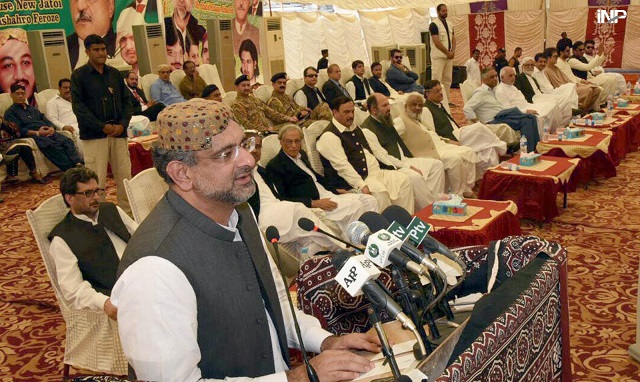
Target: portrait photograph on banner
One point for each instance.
(186, 36)
(246, 39)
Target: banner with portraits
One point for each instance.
(111, 19)
(187, 37)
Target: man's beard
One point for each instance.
(386, 119)
(414, 116)
(528, 71)
(234, 196)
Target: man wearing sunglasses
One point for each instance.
(400, 77)
(88, 243)
(311, 97)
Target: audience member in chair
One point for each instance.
(198, 296)
(60, 112)
(88, 243)
(271, 210)
(378, 85)
(33, 124)
(361, 84)
(253, 113)
(141, 106)
(333, 89)
(400, 77)
(212, 93)
(350, 162)
(13, 151)
(291, 173)
(283, 104)
(162, 90)
(311, 97)
(192, 84)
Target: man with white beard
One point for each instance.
(478, 137)
(589, 50)
(565, 96)
(509, 96)
(582, 68)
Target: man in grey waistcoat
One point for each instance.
(197, 295)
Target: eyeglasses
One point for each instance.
(397, 57)
(311, 75)
(292, 141)
(231, 154)
(91, 193)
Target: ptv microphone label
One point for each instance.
(355, 272)
(380, 245)
(416, 231)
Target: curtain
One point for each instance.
(525, 30)
(631, 55)
(463, 45)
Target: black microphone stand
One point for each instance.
(416, 284)
(387, 350)
(407, 298)
(311, 372)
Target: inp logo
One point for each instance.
(611, 17)
(374, 251)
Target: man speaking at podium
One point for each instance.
(197, 295)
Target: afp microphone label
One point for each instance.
(355, 272)
(380, 245)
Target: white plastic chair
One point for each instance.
(311, 135)
(92, 340)
(293, 85)
(211, 76)
(5, 102)
(263, 92)
(144, 191)
(146, 82)
(270, 148)
(467, 88)
(230, 97)
(176, 77)
(43, 97)
(360, 116)
(385, 66)
(345, 75)
(322, 78)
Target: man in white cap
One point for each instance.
(197, 295)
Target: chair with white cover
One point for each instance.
(270, 148)
(263, 92)
(92, 340)
(145, 83)
(43, 97)
(144, 191)
(5, 102)
(211, 76)
(311, 135)
(345, 75)
(322, 78)
(467, 88)
(176, 77)
(359, 116)
(293, 85)
(386, 64)
(230, 97)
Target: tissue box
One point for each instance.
(444, 208)
(623, 102)
(530, 160)
(573, 132)
(598, 116)
(139, 130)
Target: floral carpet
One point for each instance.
(599, 228)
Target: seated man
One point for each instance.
(33, 124)
(295, 180)
(333, 89)
(589, 50)
(141, 106)
(88, 243)
(192, 84)
(270, 210)
(311, 97)
(582, 68)
(358, 86)
(251, 113)
(60, 113)
(378, 85)
(565, 97)
(458, 165)
(399, 77)
(483, 106)
(13, 151)
(564, 54)
(162, 90)
(358, 166)
(283, 104)
(487, 146)
(588, 95)
(212, 93)
(548, 114)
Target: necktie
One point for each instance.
(320, 96)
(140, 7)
(135, 94)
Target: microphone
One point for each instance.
(387, 350)
(273, 236)
(308, 225)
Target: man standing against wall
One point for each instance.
(102, 104)
(443, 42)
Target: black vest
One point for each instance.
(97, 258)
(360, 86)
(388, 138)
(580, 73)
(441, 120)
(312, 96)
(230, 279)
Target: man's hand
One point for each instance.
(45, 131)
(151, 103)
(450, 55)
(293, 120)
(400, 92)
(585, 82)
(333, 366)
(68, 128)
(108, 129)
(365, 190)
(341, 191)
(531, 111)
(353, 341)
(451, 141)
(110, 310)
(117, 130)
(416, 170)
(325, 204)
(304, 112)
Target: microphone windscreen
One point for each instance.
(272, 233)
(356, 232)
(397, 214)
(340, 257)
(306, 224)
(374, 221)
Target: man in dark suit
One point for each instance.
(523, 84)
(375, 81)
(361, 84)
(141, 106)
(90, 18)
(333, 89)
(292, 175)
(323, 62)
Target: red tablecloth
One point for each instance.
(140, 158)
(534, 192)
(495, 221)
